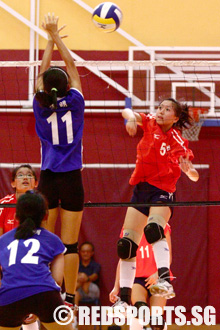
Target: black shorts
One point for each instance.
(42, 305)
(62, 187)
(141, 281)
(146, 193)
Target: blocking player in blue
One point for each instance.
(59, 111)
(32, 263)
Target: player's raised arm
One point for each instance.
(133, 119)
(51, 26)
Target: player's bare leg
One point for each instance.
(70, 227)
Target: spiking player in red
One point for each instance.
(161, 155)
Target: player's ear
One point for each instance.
(13, 184)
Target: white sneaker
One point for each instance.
(162, 288)
(119, 303)
(75, 324)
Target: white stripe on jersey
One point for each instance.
(178, 138)
(7, 199)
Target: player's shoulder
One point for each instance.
(8, 199)
(76, 92)
(7, 237)
(45, 235)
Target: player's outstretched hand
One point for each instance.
(50, 25)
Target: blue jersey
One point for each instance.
(60, 132)
(25, 265)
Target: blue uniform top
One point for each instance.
(60, 131)
(25, 265)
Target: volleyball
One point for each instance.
(107, 16)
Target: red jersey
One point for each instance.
(145, 262)
(7, 214)
(158, 156)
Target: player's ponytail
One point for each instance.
(44, 99)
(182, 112)
(31, 209)
(25, 229)
(53, 94)
(55, 81)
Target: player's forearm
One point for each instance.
(69, 61)
(45, 64)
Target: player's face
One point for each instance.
(165, 115)
(24, 180)
(86, 252)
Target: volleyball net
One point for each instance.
(109, 154)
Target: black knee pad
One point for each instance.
(71, 248)
(153, 232)
(126, 248)
(157, 326)
(138, 305)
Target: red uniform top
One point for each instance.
(145, 262)
(158, 156)
(7, 214)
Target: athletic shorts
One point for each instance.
(141, 281)
(62, 187)
(146, 193)
(42, 305)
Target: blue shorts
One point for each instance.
(141, 281)
(146, 193)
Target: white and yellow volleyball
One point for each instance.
(107, 16)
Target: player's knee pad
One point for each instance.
(157, 323)
(71, 248)
(138, 305)
(154, 231)
(126, 248)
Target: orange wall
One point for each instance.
(153, 23)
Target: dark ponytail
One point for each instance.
(55, 81)
(31, 209)
(182, 112)
(44, 99)
(25, 229)
(53, 94)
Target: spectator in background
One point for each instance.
(88, 275)
(23, 179)
(87, 288)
